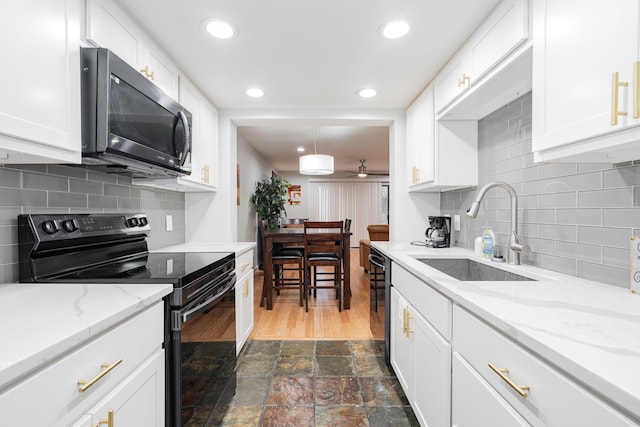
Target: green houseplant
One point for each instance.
(269, 199)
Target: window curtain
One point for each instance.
(360, 201)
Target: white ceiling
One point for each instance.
(309, 54)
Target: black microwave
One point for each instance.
(129, 125)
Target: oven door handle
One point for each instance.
(191, 313)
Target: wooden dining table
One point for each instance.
(296, 235)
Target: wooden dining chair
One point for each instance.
(323, 248)
(280, 258)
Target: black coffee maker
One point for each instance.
(439, 232)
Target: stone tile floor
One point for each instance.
(308, 383)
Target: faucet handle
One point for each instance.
(523, 249)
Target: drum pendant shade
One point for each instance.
(316, 164)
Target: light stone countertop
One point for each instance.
(43, 321)
(589, 330)
(238, 247)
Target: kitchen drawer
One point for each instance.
(51, 396)
(244, 263)
(553, 399)
(432, 305)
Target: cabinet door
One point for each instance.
(244, 310)
(505, 29)
(474, 402)
(139, 400)
(203, 126)
(400, 343)
(452, 80)
(40, 84)
(573, 66)
(431, 367)
(108, 26)
(421, 138)
(161, 71)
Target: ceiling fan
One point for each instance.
(362, 171)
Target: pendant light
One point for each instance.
(316, 164)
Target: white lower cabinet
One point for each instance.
(474, 400)
(121, 370)
(244, 299)
(139, 401)
(421, 358)
(537, 391)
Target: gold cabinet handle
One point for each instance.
(636, 90)
(149, 74)
(502, 373)
(464, 79)
(409, 317)
(85, 385)
(244, 266)
(245, 285)
(615, 89)
(404, 321)
(152, 75)
(109, 421)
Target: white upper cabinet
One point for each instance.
(586, 97)
(421, 139)
(108, 26)
(40, 84)
(504, 30)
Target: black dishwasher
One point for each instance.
(380, 297)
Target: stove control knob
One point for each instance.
(69, 225)
(50, 227)
(142, 221)
(132, 222)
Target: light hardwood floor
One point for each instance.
(289, 321)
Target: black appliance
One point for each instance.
(380, 298)
(129, 125)
(439, 232)
(112, 248)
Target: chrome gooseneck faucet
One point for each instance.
(515, 247)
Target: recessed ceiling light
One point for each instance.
(300, 149)
(219, 28)
(255, 92)
(367, 93)
(394, 29)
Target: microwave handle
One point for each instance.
(187, 142)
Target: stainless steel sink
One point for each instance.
(467, 270)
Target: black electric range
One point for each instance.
(112, 248)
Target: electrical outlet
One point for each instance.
(456, 223)
(169, 222)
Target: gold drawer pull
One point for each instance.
(109, 421)
(502, 373)
(245, 285)
(85, 385)
(615, 89)
(464, 79)
(244, 266)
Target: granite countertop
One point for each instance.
(43, 321)
(238, 247)
(588, 330)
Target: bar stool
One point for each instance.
(323, 248)
(281, 257)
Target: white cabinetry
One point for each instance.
(121, 370)
(577, 105)
(534, 389)
(109, 26)
(506, 28)
(244, 298)
(40, 84)
(474, 400)
(420, 355)
(421, 138)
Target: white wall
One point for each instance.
(253, 168)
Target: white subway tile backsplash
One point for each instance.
(615, 197)
(577, 217)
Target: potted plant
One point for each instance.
(269, 199)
